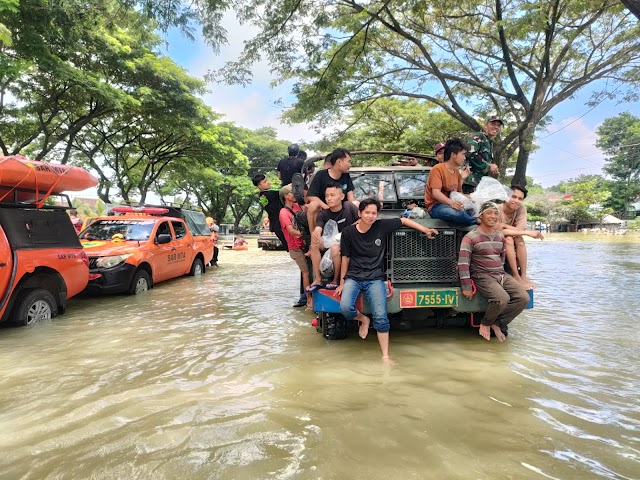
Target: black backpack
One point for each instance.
(301, 223)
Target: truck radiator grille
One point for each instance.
(416, 259)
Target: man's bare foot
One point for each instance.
(498, 333)
(528, 284)
(364, 321)
(387, 361)
(485, 331)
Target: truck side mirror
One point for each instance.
(163, 238)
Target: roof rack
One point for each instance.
(27, 198)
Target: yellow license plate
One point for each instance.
(428, 298)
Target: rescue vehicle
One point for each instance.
(138, 247)
(42, 263)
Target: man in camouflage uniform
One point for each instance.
(480, 155)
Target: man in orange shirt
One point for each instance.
(444, 179)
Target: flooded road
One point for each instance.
(217, 377)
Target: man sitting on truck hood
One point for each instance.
(481, 261)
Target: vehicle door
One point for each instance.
(6, 269)
(164, 253)
(184, 248)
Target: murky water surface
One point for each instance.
(219, 378)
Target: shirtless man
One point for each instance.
(513, 223)
(482, 260)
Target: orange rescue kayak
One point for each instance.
(20, 172)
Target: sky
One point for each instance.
(566, 149)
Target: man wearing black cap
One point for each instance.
(480, 156)
(290, 165)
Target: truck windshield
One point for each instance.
(130, 229)
(375, 184)
(411, 184)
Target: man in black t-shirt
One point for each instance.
(290, 165)
(363, 247)
(344, 214)
(340, 160)
(270, 201)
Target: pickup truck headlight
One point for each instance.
(112, 261)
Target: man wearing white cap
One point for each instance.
(481, 261)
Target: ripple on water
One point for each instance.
(217, 377)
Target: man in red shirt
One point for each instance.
(293, 236)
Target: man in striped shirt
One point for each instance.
(481, 261)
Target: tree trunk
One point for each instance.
(520, 176)
(525, 143)
(633, 6)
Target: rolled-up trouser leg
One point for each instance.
(497, 297)
(518, 299)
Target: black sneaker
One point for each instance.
(300, 304)
(297, 186)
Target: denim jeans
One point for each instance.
(445, 212)
(375, 292)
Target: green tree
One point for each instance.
(520, 58)
(584, 199)
(397, 125)
(5, 33)
(619, 139)
(262, 147)
(69, 65)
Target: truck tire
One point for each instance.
(36, 305)
(334, 326)
(197, 268)
(141, 283)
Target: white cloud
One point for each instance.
(566, 154)
(258, 104)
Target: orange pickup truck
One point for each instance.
(138, 247)
(42, 263)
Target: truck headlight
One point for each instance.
(112, 261)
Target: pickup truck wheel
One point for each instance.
(197, 268)
(334, 326)
(140, 283)
(35, 306)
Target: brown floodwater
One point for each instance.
(218, 377)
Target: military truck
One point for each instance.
(422, 275)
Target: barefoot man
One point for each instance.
(481, 260)
(363, 247)
(513, 225)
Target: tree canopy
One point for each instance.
(519, 59)
(86, 83)
(619, 139)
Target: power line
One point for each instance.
(584, 114)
